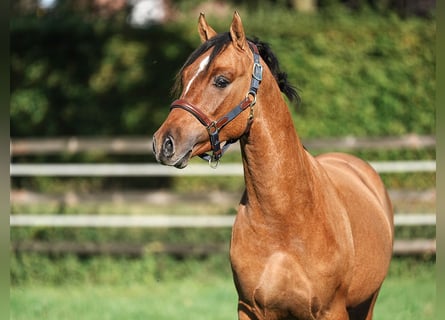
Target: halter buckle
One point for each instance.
(257, 71)
(215, 144)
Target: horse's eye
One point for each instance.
(221, 82)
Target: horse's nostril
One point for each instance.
(168, 148)
(153, 146)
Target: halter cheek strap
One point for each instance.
(213, 127)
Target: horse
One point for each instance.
(313, 236)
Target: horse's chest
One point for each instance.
(272, 274)
(266, 277)
(276, 284)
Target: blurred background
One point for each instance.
(100, 231)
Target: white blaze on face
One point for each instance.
(201, 68)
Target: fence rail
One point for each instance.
(401, 247)
(164, 197)
(143, 145)
(155, 170)
(166, 221)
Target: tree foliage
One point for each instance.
(358, 73)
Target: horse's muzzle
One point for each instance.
(167, 153)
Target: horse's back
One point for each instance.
(371, 217)
(348, 172)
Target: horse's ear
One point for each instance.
(205, 31)
(237, 32)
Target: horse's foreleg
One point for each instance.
(337, 313)
(337, 309)
(365, 309)
(371, 306)
(245, 312)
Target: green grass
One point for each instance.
(185, 299)
(407, 298)
(409, 292)
(199, 293)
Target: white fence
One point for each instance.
(143, 146)
(166, 221)
(155, 170)
(401, 247)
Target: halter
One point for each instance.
(213, 127)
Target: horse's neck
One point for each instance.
(279, 173)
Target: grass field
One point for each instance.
(408, 293)
(186, 299)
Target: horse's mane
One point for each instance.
(220, 41)
(281, 77)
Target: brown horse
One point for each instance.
(313, 235)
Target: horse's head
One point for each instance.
(218, 90)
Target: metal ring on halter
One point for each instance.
(212, 127)
(213, 163)
(253, 94)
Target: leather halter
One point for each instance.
(213, 127)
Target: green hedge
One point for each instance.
(358, 73)
(363, 74)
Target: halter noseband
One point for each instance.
(213, 127)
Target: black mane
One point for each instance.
(220, 41)
(281, 77)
